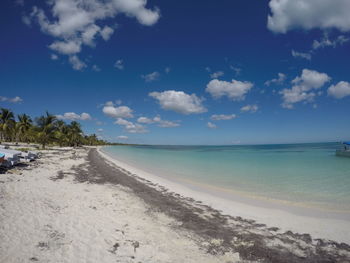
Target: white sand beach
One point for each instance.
(74, 206)
(47, 219)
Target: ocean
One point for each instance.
(307, 175)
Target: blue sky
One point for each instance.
(181, 72)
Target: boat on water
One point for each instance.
(344, 151)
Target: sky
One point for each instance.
(181, 72)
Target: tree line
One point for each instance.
(44, 130)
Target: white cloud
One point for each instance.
(74, 23)
(308, 14)
(11, 100)
(340, 90)
(131, 127)
(66, 47)
(145, 120)
(159, 121)
(119, 64)
(151, 77)
(211, 125)
(106, 33)
(117, 112)
(179, 101)
(76, 63)
(100, 130)
(54, 57)
(278, 81)
(297, 54)
(311, 79)
(325, 41)
(168, 124)
(250, 108)
(222, 117)
(72, 116)
(235, 90)
(217, 74)
(304, 87)
(122, 137)
(167, 70)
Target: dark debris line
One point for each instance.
(253, 242)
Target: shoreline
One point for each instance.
(303, 206)
(320, 224)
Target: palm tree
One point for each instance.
(74, 134)
(23, 125)
(92, 139)
(7, 123)
(46, 128)
(62, 133)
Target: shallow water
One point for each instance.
(300, 174)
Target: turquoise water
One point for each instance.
(300, 174)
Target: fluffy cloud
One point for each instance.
(278, 81)
(145, 120)
(122, 137)
(119, 64)
(235, 90)
(211, 125)
(11, 100)
(159, 121)
(303, 88)
(54, 57)
(179, 101)
(76, 63)
(131, 127)
(106, 33)
(307, 14)
(117, 112)
(151, 77)
(168, 124)
(217, 74)
(250, 108)
(327, 42)
(74, 23)
(66, 47)
(297, 54)
(222, 117)
(339, 91)
(72, 116)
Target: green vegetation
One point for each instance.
(45, 130)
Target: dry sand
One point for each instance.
(74, 206)
(48, 216)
